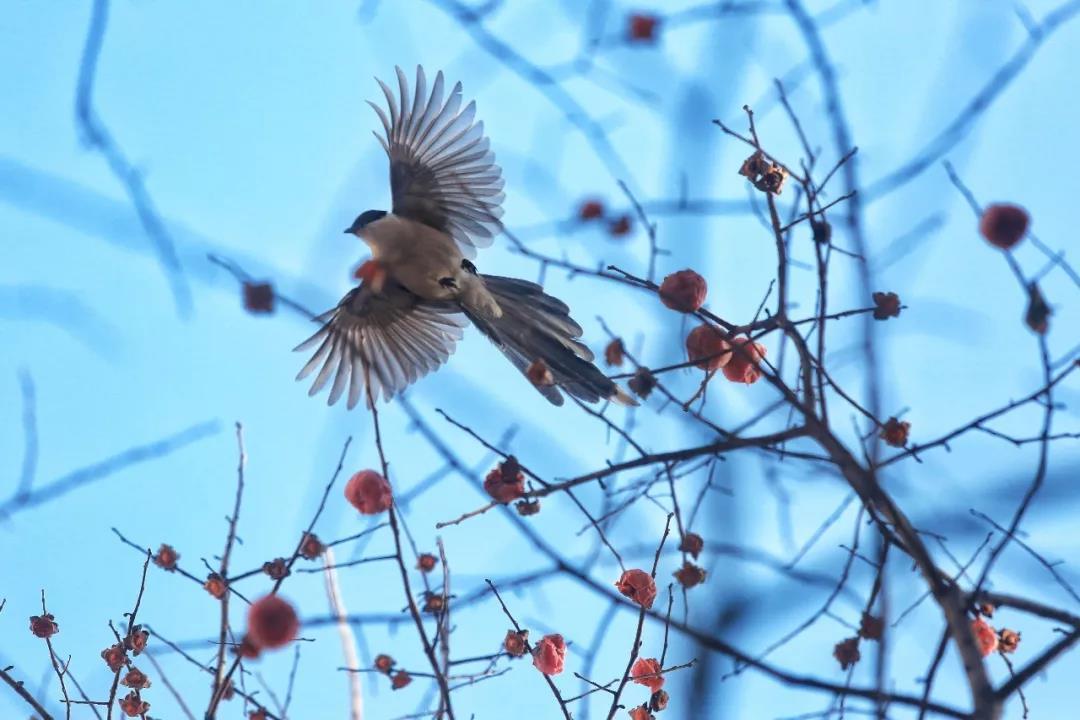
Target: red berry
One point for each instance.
(847, 652)
(215, 585)
(384, 663)
(514, 643)
(115, 656)
(135, 679)
(246, 648)
(639, 586)
(895, 432)
(166, 557)
(426, 562)
(743, 367)
(1003, 225)
(614, 353)
(272, 622)
(277, 568)
(620, 226)
(258, 297)
(886, 305)
(689, 575)
(692, 543)
(643, 27)
(985, 636)
(44, 626)
(707, 348)
(550, 654)
(133, 706)
(369, 492)
(506, 482)
(646, 671)
(591, 210)
(683, 291)
(311, 547)
(871, 627)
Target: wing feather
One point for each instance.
(442, 171)
(381, 343)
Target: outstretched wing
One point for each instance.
(388, 340)
(441, 170)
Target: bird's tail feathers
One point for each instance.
(536, 326)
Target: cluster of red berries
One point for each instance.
(594, 211)
(506, 482)
(115, 656)
(385, 665)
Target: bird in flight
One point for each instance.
(420, 288)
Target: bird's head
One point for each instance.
(363, 220)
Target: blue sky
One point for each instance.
(248, 123)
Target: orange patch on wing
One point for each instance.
(371, 272)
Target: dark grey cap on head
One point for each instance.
(364, 218)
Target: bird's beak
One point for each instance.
(348, 231)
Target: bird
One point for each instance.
(420, 289)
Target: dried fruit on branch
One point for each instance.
(136, 639)
(1037, 315)
(1008, 640)
(707, 348)
(115, 656)
(527, 507)
(684, 291)
(133, 706)
(871, 627)
(272, 622)
(369, 492)
(1004, 225)
(516, 642)
(985, 636)
(258, 297)
(44, 626)
(646, 671)
(690, 575)
(549, 654)
(642, 28)
(166, 557)
(643, 383)
(135, 679)
(311, 547)
(692, 543)
(639, 586)
(847, 652)
(591, 210)
(506, 482)
(277, 568)
(744, 366)
(215, 585)
(895, 432)
(620, 226)
(766, 176)
(247, 649)
(886, 305)
(615, 353)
